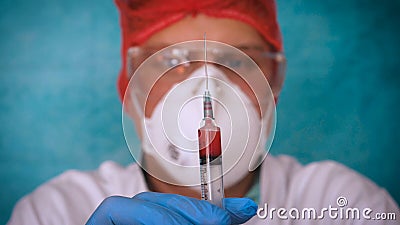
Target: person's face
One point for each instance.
(228, 31)
(231, 32)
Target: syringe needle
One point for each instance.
(205, 60)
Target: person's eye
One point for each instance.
(234, 63)
(175, 57)
(171, 62)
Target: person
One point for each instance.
(150, 192)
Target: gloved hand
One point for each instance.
(159, 208)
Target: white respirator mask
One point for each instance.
(169, 136)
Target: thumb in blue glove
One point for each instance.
(156, 208)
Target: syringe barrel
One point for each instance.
(211, 173)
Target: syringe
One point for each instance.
(209, 136)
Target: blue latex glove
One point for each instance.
(159, 208)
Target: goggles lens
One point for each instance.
(272, 64)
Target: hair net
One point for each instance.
(141, 19)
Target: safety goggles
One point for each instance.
(272, 64)
(147, 66)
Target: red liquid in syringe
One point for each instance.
(209, 136)
(209, 142)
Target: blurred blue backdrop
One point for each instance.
(59, 107)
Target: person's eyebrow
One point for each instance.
(157, 46)
(251, 47)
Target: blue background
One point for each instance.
(59, 107)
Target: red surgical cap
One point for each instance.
(142, 18)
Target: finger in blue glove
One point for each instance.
(240, 209)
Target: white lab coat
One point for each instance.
(72, 197)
